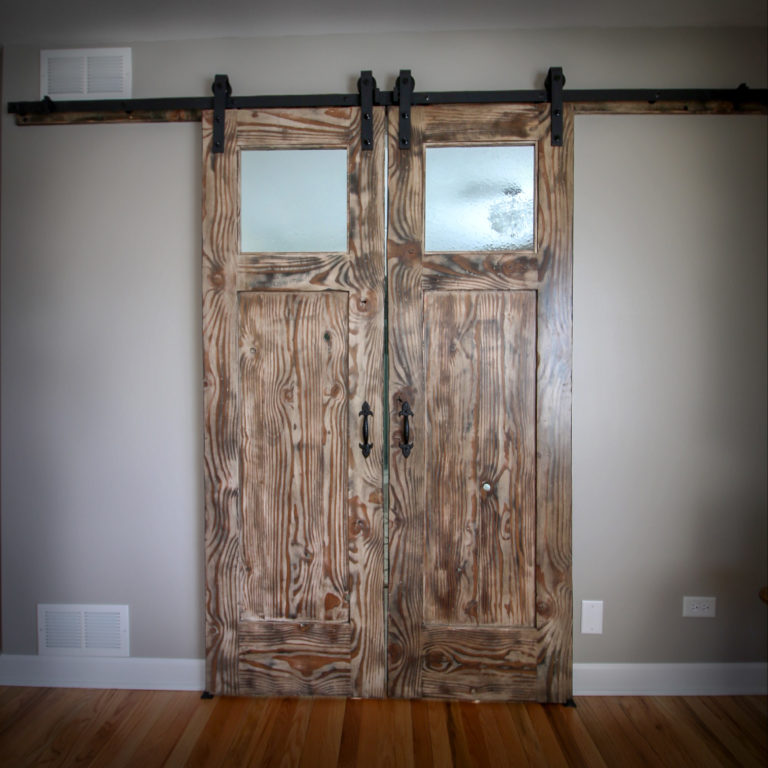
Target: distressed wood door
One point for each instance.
(292, 349)
(480, 603)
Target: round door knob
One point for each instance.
(486, 487)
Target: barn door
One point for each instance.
(479, 254)
(293, 321)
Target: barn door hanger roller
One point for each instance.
(401, 96)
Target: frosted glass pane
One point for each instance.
(293, 200)
(479, 198)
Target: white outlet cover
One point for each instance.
(699, 607)
(591, 617)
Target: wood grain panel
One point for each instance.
(406, 374)
(293, 368)
(294, 271)
(480, 271)
(486, 663)
(365, 481)
(480, 352)
(282, 658)
(318, 128)
(221, 419)
(460, 124)
(554, 598)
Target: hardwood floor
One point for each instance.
(80, 727)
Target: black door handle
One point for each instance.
(405, 443)
(365, 446)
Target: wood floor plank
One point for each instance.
(16, 702)
(726, 731)
(63, 734)
(760, 703)
(613, 734)
(186, 743)
(546, 736)
(219, 732)
(253, 737)
(526, 734)
(502, 744)
(71, 727)
(439, 738)
(460, 751)
(749, 714)
(473, 733)
(350, 733)
(695, 738)
(32, 736)
(101, 715)
(650, 723)
(386, 735)
(134, 718)
(287, 739)
(160, 739)
(573, 737)
(323, 737)
(422, 743)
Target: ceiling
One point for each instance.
(75, 22)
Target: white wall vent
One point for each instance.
(86, 73)
(82, 630)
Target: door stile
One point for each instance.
(366, 384)
(405, 236)
(221, 413)
(554, 590)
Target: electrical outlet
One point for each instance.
(699, 607)
(591, 617)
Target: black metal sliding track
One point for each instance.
(47, 106)
(402, 95)
(385, 98)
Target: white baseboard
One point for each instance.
(189, 675)
(103, 672)
(670, 679)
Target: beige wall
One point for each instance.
(101, 361)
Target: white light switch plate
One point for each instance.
(591, 617)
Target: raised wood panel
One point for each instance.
(487, 663)
(480, 357)
(308, 659)
(293, 384)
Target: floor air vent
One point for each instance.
(82, 630)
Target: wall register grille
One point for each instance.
(86, 73)
(82, 630)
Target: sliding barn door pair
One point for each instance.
(474, 423)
